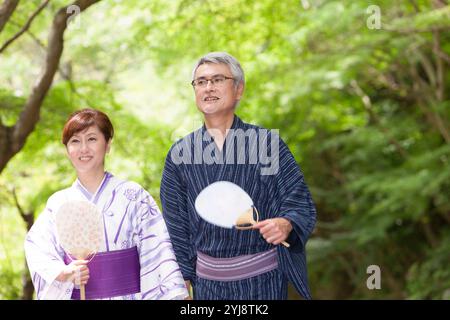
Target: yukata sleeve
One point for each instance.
(43, 260)
(160, 274)
(174, 205)
(296, 202)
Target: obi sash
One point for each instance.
(111, 274)
(236, 268)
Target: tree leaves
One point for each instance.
(364, 111)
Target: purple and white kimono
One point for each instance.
(131, 218)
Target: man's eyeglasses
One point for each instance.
(217, 81)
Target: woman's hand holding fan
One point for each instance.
(76, 272)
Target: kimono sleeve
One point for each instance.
(161, 278)
(44, 261)
(174, 205)
(296, 201)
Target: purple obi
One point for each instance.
(236, 268)
(111, 274)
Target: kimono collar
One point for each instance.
(93, 197)
(237, 124)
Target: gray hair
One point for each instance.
(225, 58)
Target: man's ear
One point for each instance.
(239, 91)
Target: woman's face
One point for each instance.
(86, 150)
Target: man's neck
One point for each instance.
(91, 180)
(217, 127)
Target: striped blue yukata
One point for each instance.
(282, 193)
(131, 219)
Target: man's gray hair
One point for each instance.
(225, 58)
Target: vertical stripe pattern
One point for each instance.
(283, 194)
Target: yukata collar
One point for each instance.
(96, 195)
(237, 124)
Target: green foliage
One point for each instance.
(10, 106)
(11, 252)
(10, 286)
(430, 279)
(364, 111)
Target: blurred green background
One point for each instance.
(359, 91)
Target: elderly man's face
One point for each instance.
(216, 99)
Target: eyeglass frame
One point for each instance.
(210, 80)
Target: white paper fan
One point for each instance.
(227, 205)
(221, 203)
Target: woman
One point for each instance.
(134, 230)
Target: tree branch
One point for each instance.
(443, 55)
(32, 35)
(30, 115)
(13, 139)
(28, 218)
(421, 97)
(440, 84)
(429, 233)
(368, 106)
(25, 27)
(73, 88)
(61, 72)
(16, 202)
(427, 67)
(439, 3)
(37, 40)
(414, 4)
(6, 11)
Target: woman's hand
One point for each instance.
(76, 272)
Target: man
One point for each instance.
(257, 266)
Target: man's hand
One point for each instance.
(188, 287)
(76, 272)
(274, 230)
